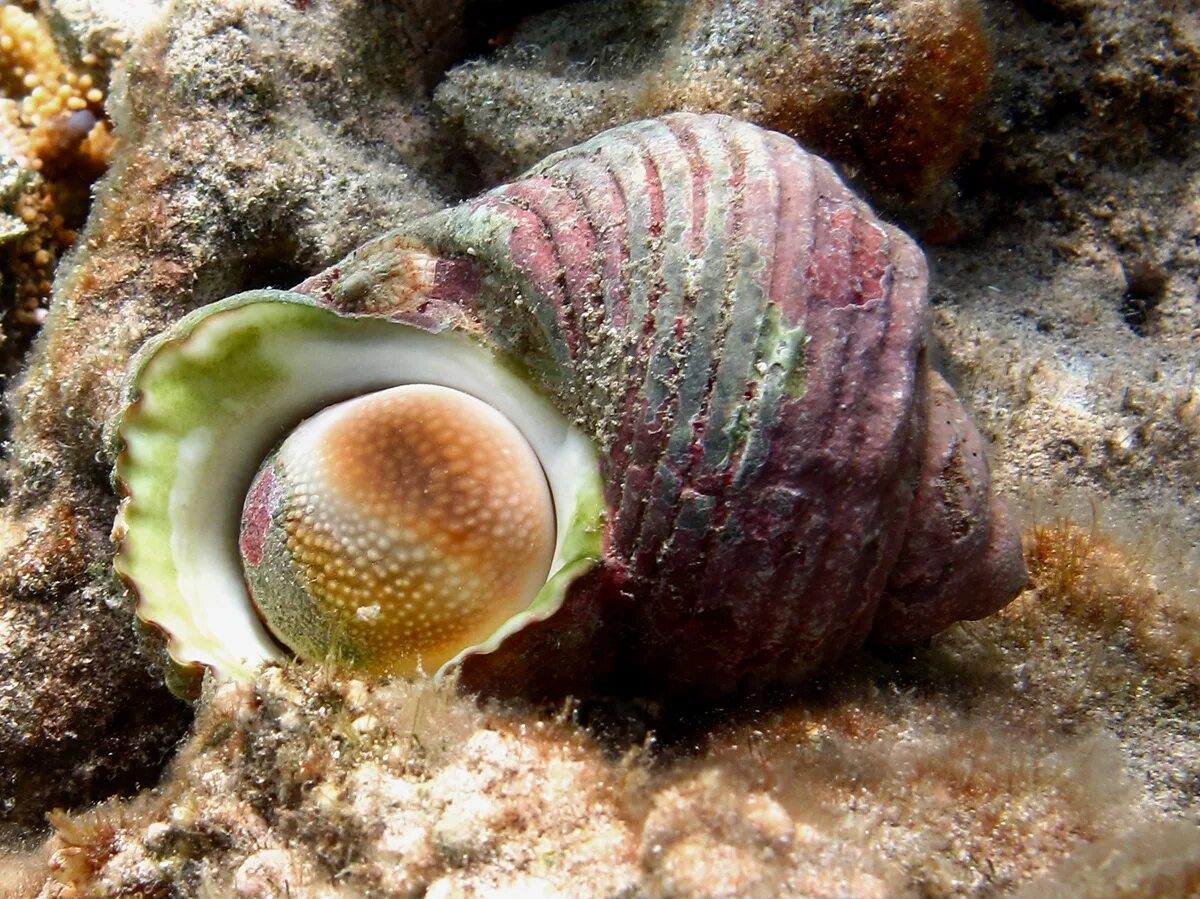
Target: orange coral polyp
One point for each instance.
(41, 100)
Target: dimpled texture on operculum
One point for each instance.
(745, 340)
(417, 519)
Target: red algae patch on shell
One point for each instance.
(417, 519)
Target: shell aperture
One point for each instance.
(210, 397)
(406, 524)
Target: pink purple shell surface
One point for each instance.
(784, 476)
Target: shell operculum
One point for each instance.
(212, 397)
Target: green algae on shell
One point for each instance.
(209, 399)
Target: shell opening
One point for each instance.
(209, 399)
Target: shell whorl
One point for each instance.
(744, 340)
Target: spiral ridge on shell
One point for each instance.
(745, 342)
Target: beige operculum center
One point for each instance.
(421, 520)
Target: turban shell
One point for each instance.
(715, 353)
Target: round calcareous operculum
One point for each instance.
(415, 521)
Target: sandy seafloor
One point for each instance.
(1043, 153)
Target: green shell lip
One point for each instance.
(208, 398)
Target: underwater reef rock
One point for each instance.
(1064, 314)
(1015, 754)
(885, 88)
(1067, 307)
(241, 163)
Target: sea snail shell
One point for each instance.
(712, 348)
